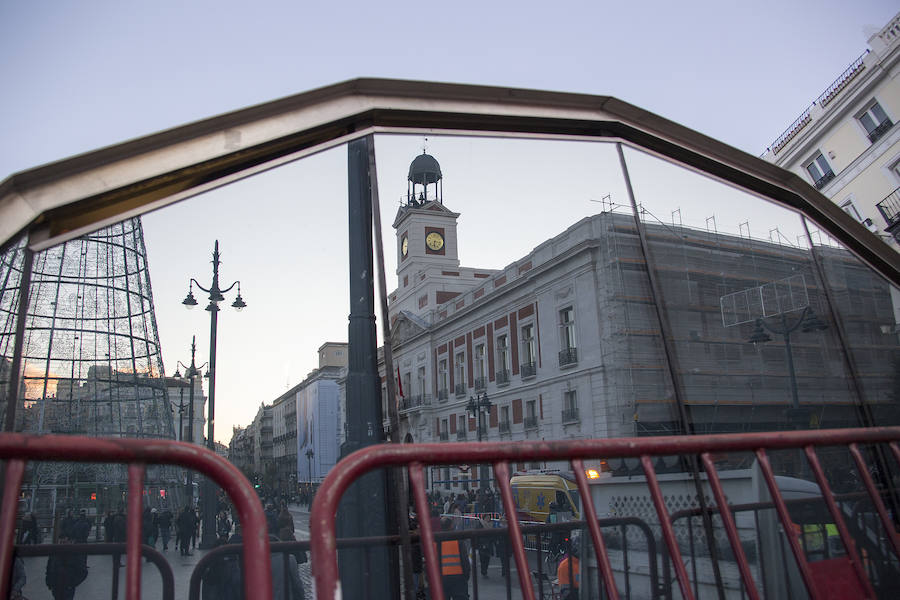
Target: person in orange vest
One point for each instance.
(568, 573)
(454, 557)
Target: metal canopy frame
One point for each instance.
(65, 199)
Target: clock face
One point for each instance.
(434, 241)
(404, 246)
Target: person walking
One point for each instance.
(568, 573)
(454, 565)
(65, 572)
(30, 533)
(186, 528)
(165, 527)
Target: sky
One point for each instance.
(83, 75)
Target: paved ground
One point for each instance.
(100, 572)
(98, 585)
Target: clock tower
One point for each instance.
(426, 229)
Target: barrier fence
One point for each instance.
(415, 457)
(17, 449)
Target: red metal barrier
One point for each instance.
(415, 456)
(19, 448)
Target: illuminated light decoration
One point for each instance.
(592, 473)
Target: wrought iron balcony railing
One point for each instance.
(531, 422)
(568, 356)
(504, 426)
(889, 208)
(443, 394)
(480, 383)
(484, 430)
(570, 415)
(528, 370)
(460, 389)
(824, 179)
(444, 436)
(503, 377)
(460, 434)
(879, 131)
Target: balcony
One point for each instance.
(504, 427)
(483, 430)
(890, 210)
(460, 434)
(528, 369)
(480, 384)
(443, 395)
(460, 389)
(823, 180)
(445, 436)
(570, 415)
(879, 131)
(567, 357)
(531, 422)
(503, 377)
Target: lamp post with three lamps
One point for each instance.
(190, 373)
(807, 322)
(477, 406)
(216, 295)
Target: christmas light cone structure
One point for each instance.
(91, 362)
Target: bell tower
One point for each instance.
(426, 229)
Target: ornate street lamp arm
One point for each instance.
(785, 330)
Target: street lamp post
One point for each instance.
(807, 322)
(477, 406)
(190, 373)
(216, 295)
(309, 455)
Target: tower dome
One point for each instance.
(424, 169)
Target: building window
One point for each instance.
(504, 419)
(819, 170)
(568, 354)
(421, 382)
(502, 359)
(445, 433)
(850, 208)
(480, 370)
(461, 428)
(442, 379)
(875, 121)
(529, 355)
(570, 407)
(531, 414)
(460, 373)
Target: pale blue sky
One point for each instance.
(78, 76)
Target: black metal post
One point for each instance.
(181, 414)
(363, 511)
(208, 535)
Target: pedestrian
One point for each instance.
(185, 528)
(165, 527)
(568, 573)
(66, 527)
(81, 528)
(485, 546)
(19, 579)
(271, 518)
(30, 533)
(285, 519)
(223, 527)
(454, 565)
(65, 572)
(195, 531)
